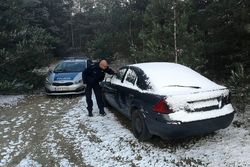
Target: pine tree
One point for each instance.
(158, 35)
(224, 24)
(27, 38)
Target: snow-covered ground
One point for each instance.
(73, 139)
(114, 145)
(9, 100)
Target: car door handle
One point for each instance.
(131, 96)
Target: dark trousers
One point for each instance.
(98, 95)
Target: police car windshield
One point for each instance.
(70, 67)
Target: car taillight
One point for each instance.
(161, 107)
(226, 99)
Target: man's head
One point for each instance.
(103, 64)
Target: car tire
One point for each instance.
(139, 126)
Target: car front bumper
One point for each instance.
(65, 90)
(170, 130)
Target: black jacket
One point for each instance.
(94, 74)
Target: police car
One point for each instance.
(66, 77)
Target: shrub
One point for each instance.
(27, 82)
(239, 84)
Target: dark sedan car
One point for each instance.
(168, 100)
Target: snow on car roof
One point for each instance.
(163, 76)
(75, 60)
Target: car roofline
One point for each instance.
(73, 58)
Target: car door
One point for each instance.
(109, 92)
(112, 88)
(128, 91)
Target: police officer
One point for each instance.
(94, 74)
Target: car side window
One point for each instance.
(119, 76)
(131, 77)
(142, 81)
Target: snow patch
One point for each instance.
(28, 162)
(7, 100)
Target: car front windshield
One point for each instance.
(70, 67)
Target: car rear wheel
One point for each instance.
(139, 126)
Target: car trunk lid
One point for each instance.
(200, 105)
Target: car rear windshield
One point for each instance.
(70, 67)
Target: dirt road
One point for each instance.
(30, 129)
(55, 131)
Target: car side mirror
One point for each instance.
(50, 70)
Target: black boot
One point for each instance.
(90, 114)
(102, 112)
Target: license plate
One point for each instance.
(61, 89)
